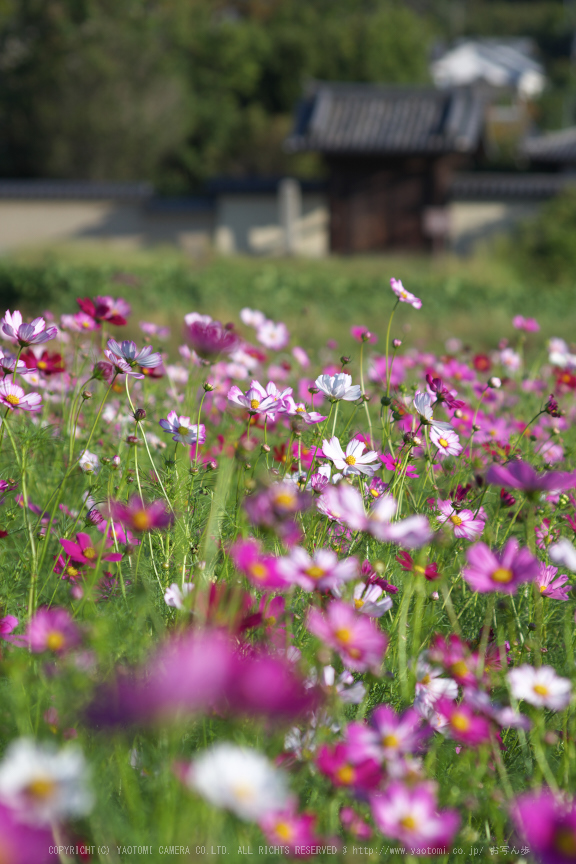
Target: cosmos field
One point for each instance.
(265, 598)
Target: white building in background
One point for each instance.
(509, 64)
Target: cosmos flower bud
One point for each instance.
(313, 390)
(385, 400)
(476, 428)
(86, 394)
(396, 343)
(366, 336)
(494, 382)
(208, 388)
(265, 448)
(132, 439)
(139, 414)
(458, 414)
(115, 461)
(552, 408)
(344, 360)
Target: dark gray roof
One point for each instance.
(73, 189)
(369, 118)
(553, 147)
(498, 187)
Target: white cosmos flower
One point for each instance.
(371, 600)
(540, 687)
(239, 779)
(89, 462)
(563, 553)
(44, 785)
(175, 595)
(423, 405)
(272, 335)
(430, 687)
(354, 460)
(339, 387)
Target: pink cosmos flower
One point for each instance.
(183, 430)
(258, 400)
(389, 736)
(521, 475)
(139, 516)
(27, 334)
(557, 589)
(127, 353)
(354, 460)
(52, 630)
(22, 843)
(363, 334)
(290, 830)
(7, 625)
(84, 551)
(462, 522)
(298, 409)
(391, 464)
(504, 571)
(462, 723)
(301, 356)
(151, 329)
(12, 396)
(455, 658)
(251, 317)
(9, 364)
(360, 644)
(263, 571)
(343, 769)
(354, 824)
(321, 571)
(272, 335)
(447, 442)
(403, 295)
(105, 309)
(530, 325)
(209, 338)
(548, 824)
(410, 814)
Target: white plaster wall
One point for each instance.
(472, 221)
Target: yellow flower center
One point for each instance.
(258, 570)
(41, 788)
(503, 575)
(284, 831)
(456, 520)
(565, 842)
(374, 493)
(141, 520)
(390, 740)
(540, 689)
(344, 635)
(315, 572)
(300, 410)
(90, 553)
(358, 603)
(183, 430)
(13, 400)
(543, 588)
(443, 442)
(55, 641)
(285, 499)
(350, 460)
(71, 571)
(409, 822)
(254, 404)
(419, 569)
(42, 364)
(425, 680)
(459, 668)
(403, 295)
(460, 722)
(243, 791)
(345, 774)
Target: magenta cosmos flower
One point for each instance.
(463, 723)
(85, 552)
(410, 814)
(551, 587)
(209, 338)
(52, 630)
(22, 843)
(14, 397)
(462, 522)
(136, 515)
(504, 571)
(27, 334)
(258, 400)
(341, 765)
(289, 829)
(529, 325)
(354, 460)
(322, 571)
(389, 735)
(105, 309)
(358, 641)
(521, 475)
(548, 825)
(183, 430)
(262, 570)
(403, 295)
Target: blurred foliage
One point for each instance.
(474, 298)
(543, 248)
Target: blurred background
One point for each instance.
(292, 154)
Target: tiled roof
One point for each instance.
(369, 118)
(496, 186)
(73, 190)
(553, 147)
